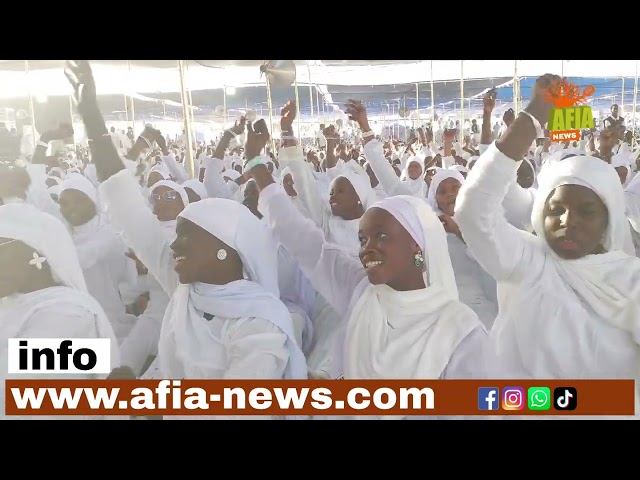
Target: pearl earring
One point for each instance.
(222, 254)
(419, 259)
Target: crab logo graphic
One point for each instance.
(570, 113)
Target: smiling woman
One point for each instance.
(223, 322)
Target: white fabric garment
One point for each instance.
(345, 232)
(428, 324)
(341, 279)
(101, 253)
(55, 312)
(336, 229)
(418, 187)
(232, 347)
(175, 187)
(438, 178)
(258, 296)
(558, 318)
(198, 188)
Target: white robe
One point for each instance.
(340, 279)
(558, 318)
(245, 347)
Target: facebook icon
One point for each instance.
(488, 398)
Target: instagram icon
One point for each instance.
(513, 398)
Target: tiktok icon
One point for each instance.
(565, 398)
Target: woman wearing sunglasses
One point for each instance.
(225, 319)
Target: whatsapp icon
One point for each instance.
(539, 398)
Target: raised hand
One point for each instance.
(539, 105)
(356, 112)
(489, 100)
(287, 116)
(80, 76)
(256, 140)
(238, 127)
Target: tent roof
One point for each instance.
(384, 85)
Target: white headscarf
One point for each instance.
(231, 174)
(421, 314)
(607, 282)
(257, 296)
(96, 237)
(50, 240)
(197, 186)
(58, 180)
(76, 181)
(599, 177)
(159, 168)
(361, 184)
(179, 189)
(169, 226)
(441, 175)
(418, 185)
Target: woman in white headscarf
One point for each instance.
(398, 300)
(225, 319)
(218, 325)
(350, 194)
(100, 250)
(195, 189)
(570, 296)
(413, 176)
(168, 199)
(42, 289)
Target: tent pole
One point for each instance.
(635, 100)
(185, 117)
(461, 133)
(433, 105)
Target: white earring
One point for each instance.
(37, 260)
(222, 254)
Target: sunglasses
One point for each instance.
(170, 196)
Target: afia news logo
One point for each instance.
(59, 355)
(570, 113)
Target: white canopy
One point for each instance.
(119, 79)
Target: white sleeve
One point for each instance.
(129, 213)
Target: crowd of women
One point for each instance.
(442, 257)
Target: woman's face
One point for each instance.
(414, 171)
(575, 221)
(387, 251)
(525, 176)
(287, 183)
(447, 194)
(167, 203)
(76, 207)
(343, 198)
(196, 255)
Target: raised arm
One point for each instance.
(499, 247)
(127, 207)
(374, 153)
(331, 270)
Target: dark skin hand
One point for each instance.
(103, 151)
